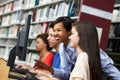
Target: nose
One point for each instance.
(55, 33)
(70, 37)
(48, 38)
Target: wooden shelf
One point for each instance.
(9, 1)
(113, 54)
(114, 38)
(42, 5)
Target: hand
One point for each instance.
(23, 66)
(45, 75)
(41, 65)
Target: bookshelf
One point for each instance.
(13, 14)
(113, 47)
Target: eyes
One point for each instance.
(58, 30)
(51, 35)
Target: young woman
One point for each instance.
(84, 38)
(43, 48)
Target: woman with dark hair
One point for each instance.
(43, 48)
(84, 38)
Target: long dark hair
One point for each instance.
(44, 36)
(89, 43)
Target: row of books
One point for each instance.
(45, 13)
(9, 31)
(113, 46)
(15, 18)
(111, 31)
(8, 43)
(19, 4)
(31, 46)
(4, 52)
(35, 29)
(11, 43)
(6, 8)
(114, 30)
(114, 38)
(116, 15)
(31, 57)
(38, 29)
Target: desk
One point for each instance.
(12, 79)
(16, 76)
(4, 71)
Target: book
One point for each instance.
(44, 13)
(7, 52)
(31, 57)
(6, 20)
(32, 3)
(37, 2)
(115, 15)
(18, 4)
(62, 9)
(13, 31)
(3, 32)
(45, 27)
(74, 7)
(111, 31)
(35, 30)
(33, 44)
(11, 43)
(2, 8)
(26, 4)
(3, 42)
(2, 51)
(38, 15)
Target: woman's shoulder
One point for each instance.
(50, 54)
(83, 56)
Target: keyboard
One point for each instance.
(22, 74)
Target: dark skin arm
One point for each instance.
(41, 65)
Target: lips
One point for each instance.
(57, 37)
(49, 42)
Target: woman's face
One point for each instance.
(51, 39)
(74, 38)
(40, 44)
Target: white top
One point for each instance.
(81, 68)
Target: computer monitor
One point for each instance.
(20, 48)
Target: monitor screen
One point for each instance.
(20, 48)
